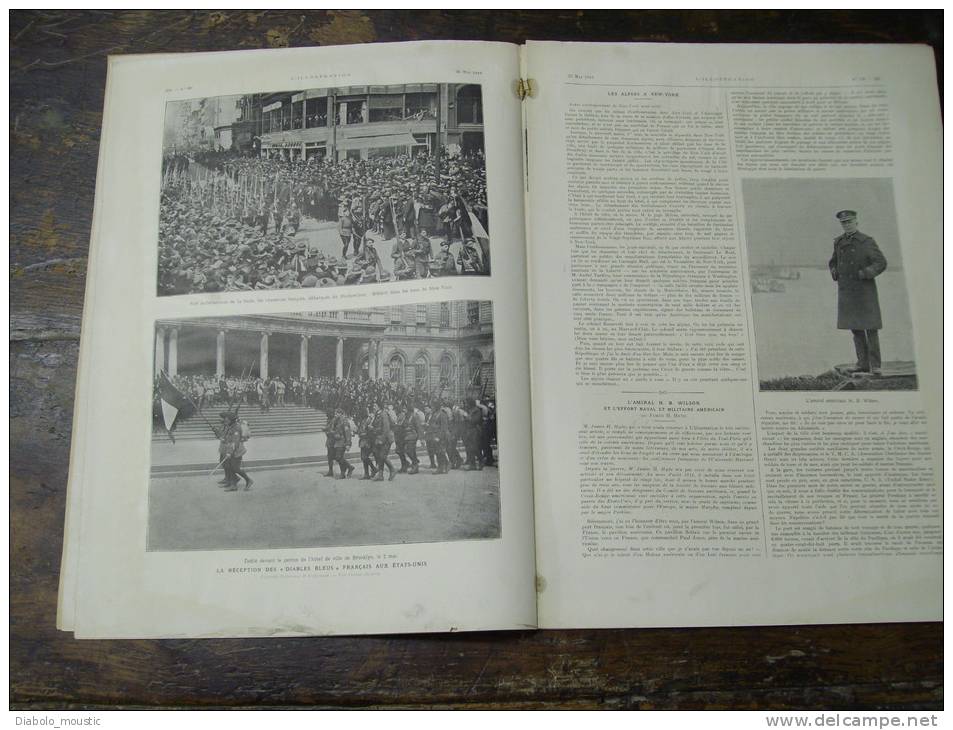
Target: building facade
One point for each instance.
(201, 124)
(363, 122)
(442, 348)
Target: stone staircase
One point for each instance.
(279, 421)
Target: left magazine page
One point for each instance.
(303, 398)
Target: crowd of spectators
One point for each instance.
(229, 222)
(444, 421)
(352, 395)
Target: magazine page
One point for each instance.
(304, 390)
(747, 241)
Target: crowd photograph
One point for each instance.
(323, 187)
(371, 413)
(370, 426)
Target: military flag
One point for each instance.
(171, 400)
(478, 230)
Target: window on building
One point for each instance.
(396, 314)
(297, 115)
(352, 111)
(420, 106)
(446, 370)
(470, 105)
(474, 367)
(395, 369)
(421, 373)
(444, 314)
(316, 113)
(421, 314)
(473, 314)
(385, 107)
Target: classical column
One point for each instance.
(380, 358)
(372, 359)
(220, 354)
(160, 349)
(304, 355)
(263, 364)
(173, 351)
(339, 359)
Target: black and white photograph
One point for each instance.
(320, 429)
(323, 187)
(828, 292)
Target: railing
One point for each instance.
(357, 316)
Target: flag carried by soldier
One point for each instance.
(171, 400)
(478, 230)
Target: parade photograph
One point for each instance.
(323, 187)
(828, 291)
(319, 429)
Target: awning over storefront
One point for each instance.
(381, 140)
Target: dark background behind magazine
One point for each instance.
(57, 81)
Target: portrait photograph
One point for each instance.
(828, 291)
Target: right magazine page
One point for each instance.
(746, 242)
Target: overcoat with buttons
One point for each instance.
(856, 262)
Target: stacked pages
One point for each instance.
(377, 341)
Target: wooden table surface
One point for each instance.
(57, 80)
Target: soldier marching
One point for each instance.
(230, 222)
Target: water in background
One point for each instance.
(796, 330)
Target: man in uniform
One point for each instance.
(399, 425)
(370, 257)
(222, 433)
(438, 427)
(474, 435)
(468, 258)
(415, 432)
(232, 449)
(383, 437)
(856, 262)
(458, 432)
(422, 254)
(329, 427)
(346, 229)
(365, 443)
(342, 435)
(444, 264)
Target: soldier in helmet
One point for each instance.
(232, 449)
(383, 437)
(436, 430)
(341, 434)
(365, 442)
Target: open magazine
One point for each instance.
(454, 336)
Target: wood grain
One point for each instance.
(57, 81)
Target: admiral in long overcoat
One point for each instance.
(855, 263)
